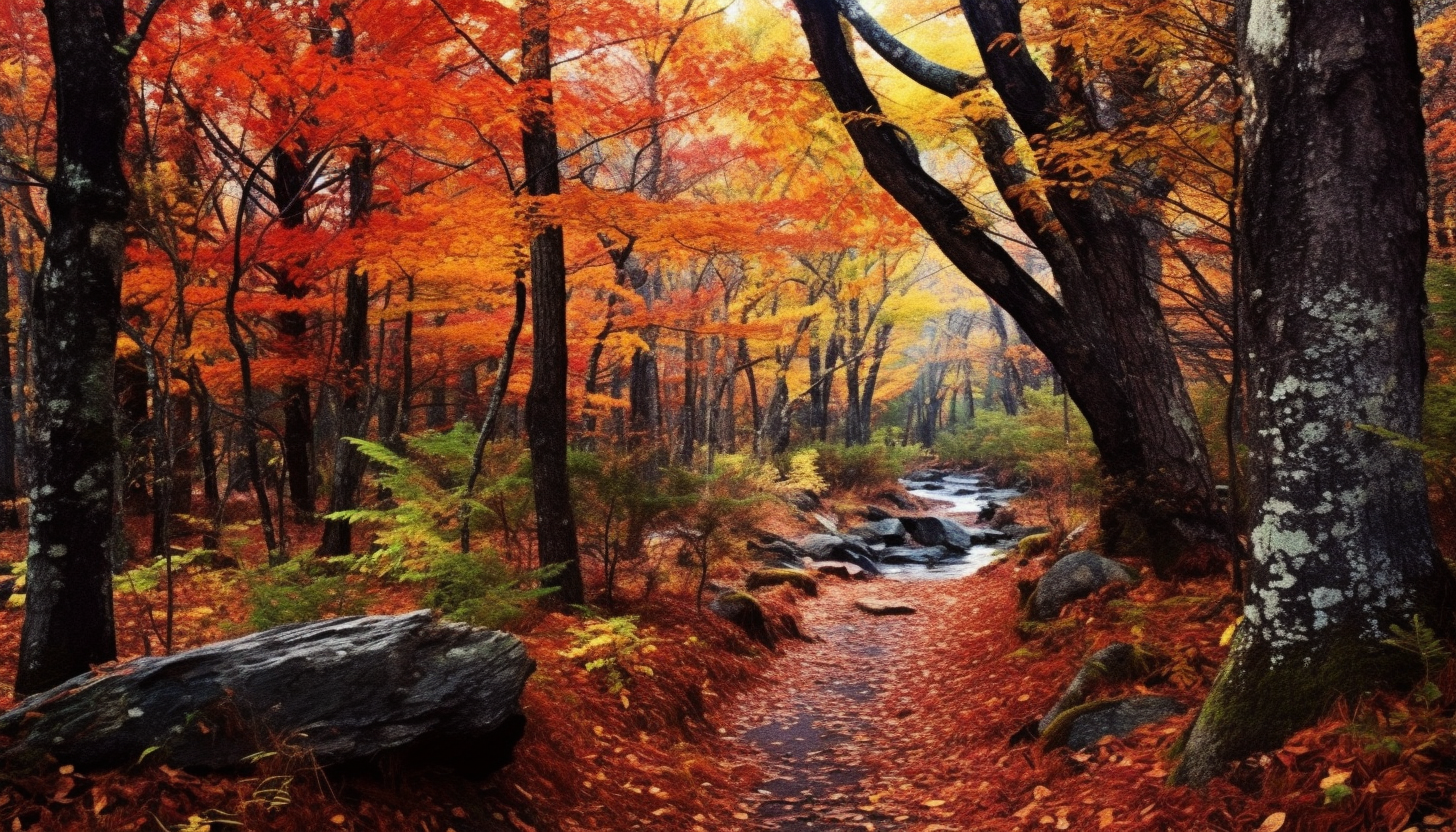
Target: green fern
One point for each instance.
(1422, 642)
(417, 531)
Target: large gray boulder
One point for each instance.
(1081, 727)
(1075, 576)
(937, 531)
(888, 531)
(940, 531)
(344, 689)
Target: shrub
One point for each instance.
(865, 467)
(614, 646)
(478, 588)
(621, 499)
(417, 532)
(298, 591)
(1044, 444)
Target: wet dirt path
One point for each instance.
(834, 704)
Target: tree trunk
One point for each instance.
(68, 616)
(690, 397)
(546, 401)
(353, 423)
(290, 191)
(348, 462)
(872, 376)
(9, 490)
(1160, 500)
(1333, 236)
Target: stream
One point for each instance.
(965, 495)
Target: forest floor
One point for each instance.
(876, 723)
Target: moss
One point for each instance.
(1056, 734)
(802, 581)
(1256, 703)
(1034, 544)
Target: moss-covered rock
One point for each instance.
(744, 612)
(1075, 576)
(1081, 727)
(1034, 544)
(798, 579)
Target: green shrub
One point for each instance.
(478, 588)
(1045, 445)
(298, 591)
(417, 532)
(871, 466)
(621, 499)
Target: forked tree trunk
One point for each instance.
(68, 616)
(1108, 339)
(1334, 245)
(546, 401)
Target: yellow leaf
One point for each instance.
(1104, 818)
(1228, 634)
(1337, 778)
(1273, 823)
(933, 803)
(337, 819)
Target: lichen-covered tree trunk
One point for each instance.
(546, 401)
(68, 616)
(1334, 246)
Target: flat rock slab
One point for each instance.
(926, 556)
(838, 569)
(881, 606)
(342, 690)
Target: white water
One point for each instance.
(961, 507)
(972, 503)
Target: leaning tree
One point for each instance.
(1105, 335)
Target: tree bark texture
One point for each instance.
(1333, 237)
(546, 417)
(77, 299)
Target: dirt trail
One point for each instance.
(832, 710)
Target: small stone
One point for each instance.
(881, 606)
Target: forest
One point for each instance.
(536, 415)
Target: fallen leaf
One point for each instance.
(1272, 823)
